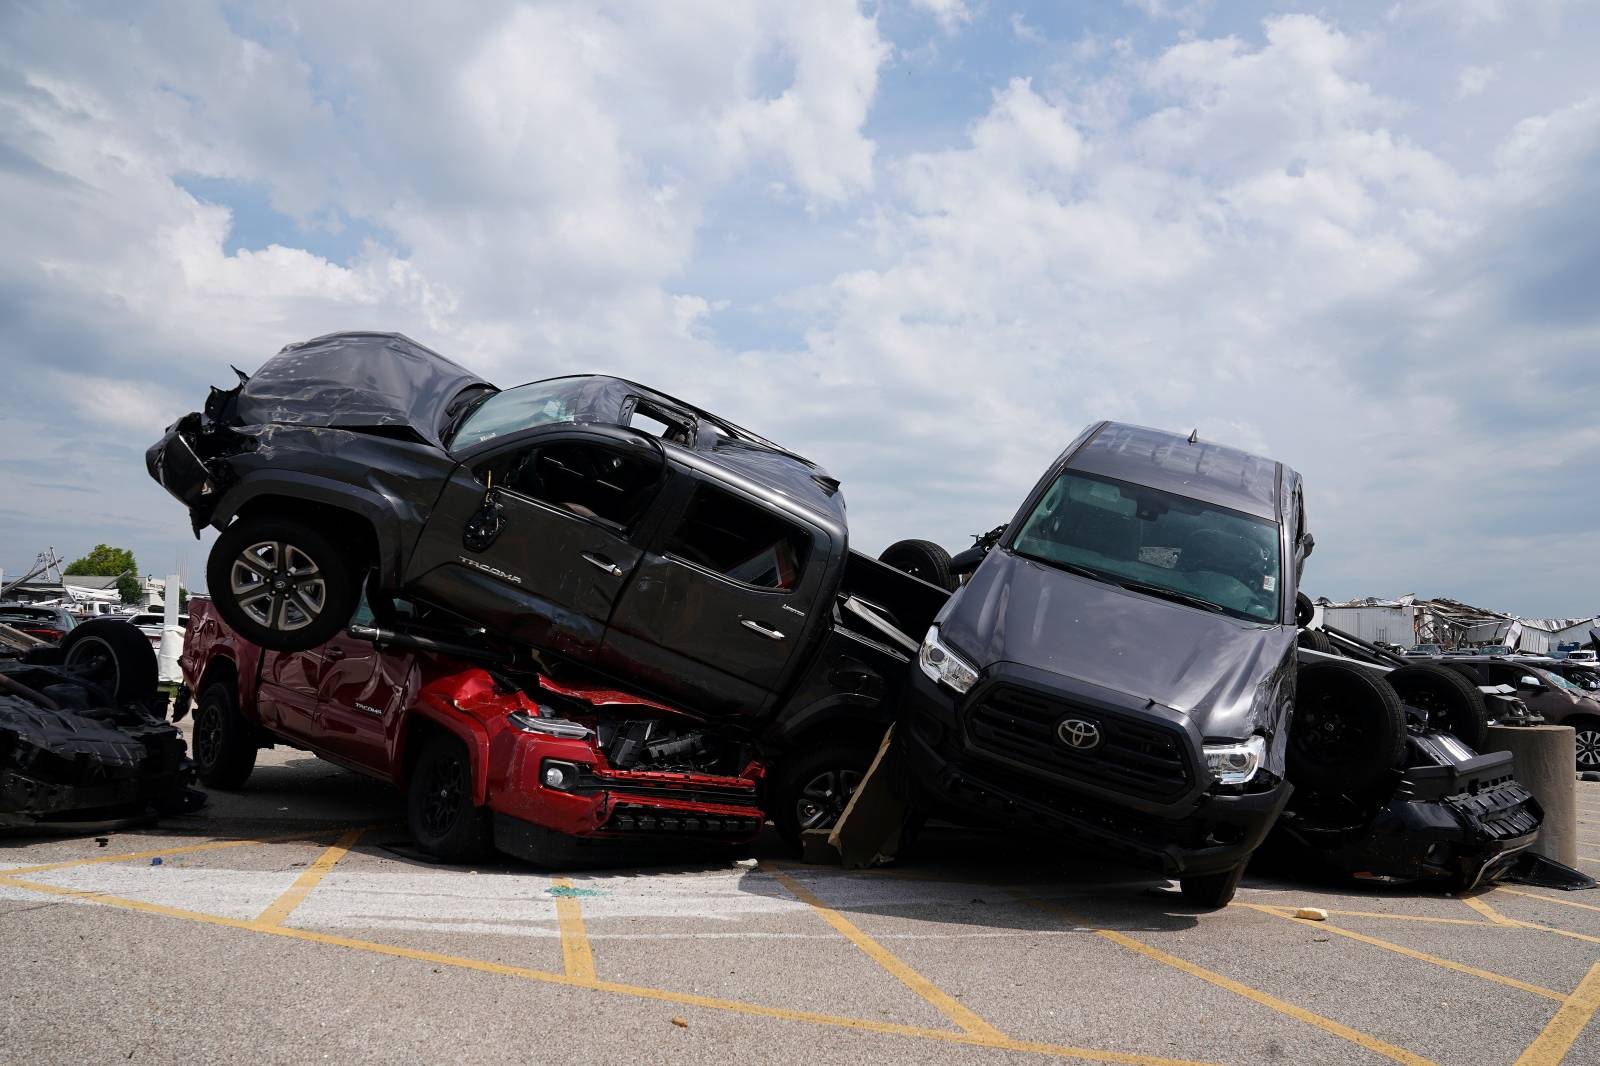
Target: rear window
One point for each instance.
(26, 614)
(741, 541)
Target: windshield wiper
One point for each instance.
(1071, 568)
(1162, 592)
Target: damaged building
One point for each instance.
(1411, 620)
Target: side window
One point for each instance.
(740, 540)
(588, 480)
(661, 422)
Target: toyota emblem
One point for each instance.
(1078, 733)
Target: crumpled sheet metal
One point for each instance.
(355, 381)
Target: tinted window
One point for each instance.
(1132, 533)
(589, 480)
(740, 540)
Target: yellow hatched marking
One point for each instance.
(638, 992)
(1487, 911)
(942, 1001)
(1552, 1045)
(285, 904)
(1411, 953)
(1328, 1025)
(575, 953)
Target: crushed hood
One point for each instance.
(355, 381)
(1205, 665)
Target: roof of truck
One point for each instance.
(1184, 465)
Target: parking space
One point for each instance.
(292, 919)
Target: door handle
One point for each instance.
(757, 627)
(601, 563)
(333, 654)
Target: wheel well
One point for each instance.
(833, 729)
(418, 732)
(220, 668)
(353, 526)
(1585, 719)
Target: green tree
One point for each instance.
(104, 561)
(130, 589)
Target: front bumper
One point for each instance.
(603, 814)
(1193, 831)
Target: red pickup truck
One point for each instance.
(554, 773)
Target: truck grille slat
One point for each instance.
(1139, 758)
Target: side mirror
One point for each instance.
(1529, 681)
(1308, 543)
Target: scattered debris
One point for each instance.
(1311, 914)
(681, 1023)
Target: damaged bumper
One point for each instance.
(977, 758)
(1458, 818)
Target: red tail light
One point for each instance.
(45, 633)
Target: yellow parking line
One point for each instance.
(1520, 924)
(1420, 956)
(1487, 911)
(638, 992)
(1328, 1025)
(1552, 1045)
(941, 1000)
(1548, 899)
(575, 953)
(1409, 917)
(158, 853)
(285, 904)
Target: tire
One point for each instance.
(225, 744)
(921, 558)
(313, 604)
(1451, 702)
(1349, 730)
(813, 787)
(1316, 640)
(444, 821)
(1588, 739)
(1212, 891)
(1304, 610)
(115, 655)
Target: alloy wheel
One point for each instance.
(823, 799)
(1588, 748)
(442, 789)
(278, 585)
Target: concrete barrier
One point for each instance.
(1546, 766)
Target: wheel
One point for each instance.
(224, 743)
(280, 583)
(1304, 610)
(1449, 701)
(114, 655)
(921, 558)
(1212, 890)
(1349, 730)
(1588, 730)
(1316, 640)
(813, 788)
(439, 809)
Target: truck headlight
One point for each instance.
(942, 664)
(549, 727)
(1237, 761)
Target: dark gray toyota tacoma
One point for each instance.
(1121, 665)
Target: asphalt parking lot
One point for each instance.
(288, 923)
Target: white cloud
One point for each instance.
(1262, 235)
(950, 14)
(1473, 80)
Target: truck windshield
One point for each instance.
(538, 404)
(1138, 536)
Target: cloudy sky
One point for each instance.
(921, 241)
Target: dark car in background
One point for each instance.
(46, 623)
(1121, 665)
(1559, 700)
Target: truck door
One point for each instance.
(286, 696)
(536, 537)
(362, 694)
(718, 609)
